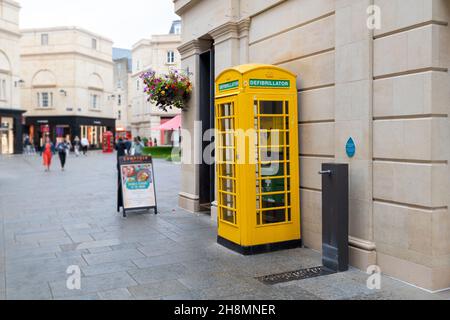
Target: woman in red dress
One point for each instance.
(47, 154)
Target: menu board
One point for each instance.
(137, 181)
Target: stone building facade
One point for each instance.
(387, 88)
(10, 108)
(159, 54)
(122, 75)
(68, 84)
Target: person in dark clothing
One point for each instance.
(121, 149)
(77, 146)
(62, 152)
(128, 145)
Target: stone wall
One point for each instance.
(410, 141)
(67, 63)
(10, 54)
(387, 89)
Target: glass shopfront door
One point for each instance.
(6, 135)
(94, 134)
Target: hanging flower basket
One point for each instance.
(167, 91)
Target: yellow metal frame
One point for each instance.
(249, 89)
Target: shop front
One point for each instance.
(122, 133)
(60, 128)
(11, 140)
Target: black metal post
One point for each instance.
(335, 216)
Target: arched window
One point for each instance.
(5, 76)
(95, 91)
(44, 86)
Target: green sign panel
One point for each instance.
(276, 84)
(229, 85)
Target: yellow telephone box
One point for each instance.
(257, 159)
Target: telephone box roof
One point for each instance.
(246, 68)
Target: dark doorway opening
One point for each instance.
(207, 116)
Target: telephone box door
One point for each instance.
(277, 204)
(227, 182)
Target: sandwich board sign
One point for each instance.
(137, 183)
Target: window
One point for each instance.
(2, 89)
(170, 57)
(45, 99)
(138, 85)
(137, 108)
(94, 44)
(119, 84)
(44, 39)
(119, 115)
(177, 29)
(119, 100)
(94, 101)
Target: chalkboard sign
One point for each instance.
(137, 183)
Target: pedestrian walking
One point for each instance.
(69, 147)
(62, 153)
(128, 146)
(77, 146)
(27, 145)
(121, 149)
(32, 148)
(138, 146)
(85, 145)
(47, 153)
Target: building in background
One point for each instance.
(68, 84)
(122, 74)
(10, 110)
(388, 89)
(159, 54)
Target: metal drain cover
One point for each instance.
(295, 275)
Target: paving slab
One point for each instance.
(158, 290)
(116, 294)
(93, 284)
(106, 268)
(158, 273)
(112, 256)
(171, 256)
(29, 292)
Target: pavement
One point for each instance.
(51, 221)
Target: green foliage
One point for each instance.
(162, 153)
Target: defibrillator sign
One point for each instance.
(266, 83)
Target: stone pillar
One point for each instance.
(231, 46)
(244, 40)
(226, 46)
(353, 116)
(191, 143)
